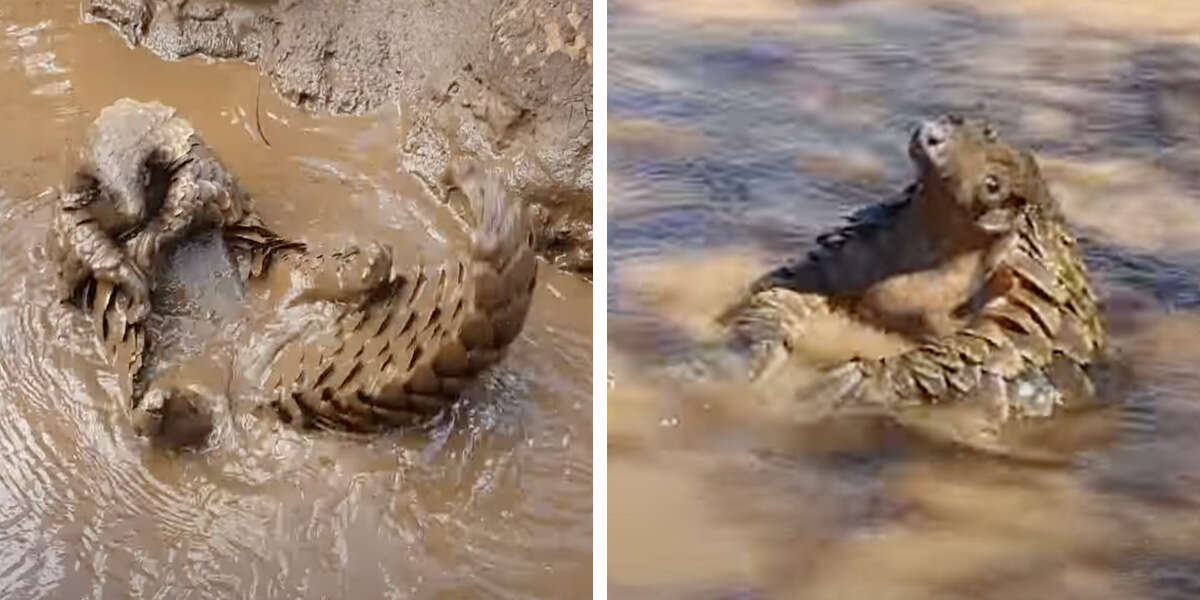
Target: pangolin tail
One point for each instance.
(502, 272)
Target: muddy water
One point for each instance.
(738, 131)
(492, 501)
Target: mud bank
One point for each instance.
(507, 82)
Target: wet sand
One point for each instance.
(495, 500)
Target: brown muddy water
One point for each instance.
(494, 500)
(738, 131)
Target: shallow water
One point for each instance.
(738, 131)
(495, 500)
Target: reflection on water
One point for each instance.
(494, 501)
(737, 133)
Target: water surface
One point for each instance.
(493, 501)
(739, 131)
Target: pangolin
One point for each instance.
(974, 264)
(398, 342)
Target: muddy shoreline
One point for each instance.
(506, 82)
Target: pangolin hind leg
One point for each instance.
(352, 274)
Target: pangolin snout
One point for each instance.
(931, 141)
(173, 418)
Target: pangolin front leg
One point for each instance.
(769, 325)
(84, 250)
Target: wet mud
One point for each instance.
(503, 81)
(493, 499)
(738, 133)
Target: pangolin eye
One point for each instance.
(991, 185)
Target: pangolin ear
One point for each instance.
(1036, 191)
(82, 180)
